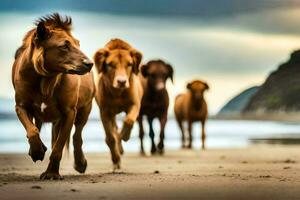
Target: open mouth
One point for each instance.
(76, 71)
(81, 71)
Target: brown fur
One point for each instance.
(48, 89)
(192, 107)
(118, 89)
(155, 101)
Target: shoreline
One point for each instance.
(278, 117)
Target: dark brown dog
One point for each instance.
(118, 89)
(192, 107)
(48, 89)
(155, 101)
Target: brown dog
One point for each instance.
(48, 89)
(155, 101)
(118, 89)
(192, 107)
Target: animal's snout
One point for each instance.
(81, 68)
(198, 95)
(87, 63)
(121, 82)
(160, 85)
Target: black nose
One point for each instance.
(88, 63)
(121, 83)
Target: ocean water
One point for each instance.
(220, 134)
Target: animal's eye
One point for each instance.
(130, 65)
(110, 65)
(65, 46)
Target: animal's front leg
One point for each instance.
(37, 148)
(160, 145)
(151, 134)
(111, 139)
(190, 129)
(129, 122)
(115, 131)
(67, 122)
(82, 115)
(203, 135)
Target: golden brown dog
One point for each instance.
(48, 88)
(192, 107)
(118, 89)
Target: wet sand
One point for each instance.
(257, 172)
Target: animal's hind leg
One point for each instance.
(190, 127)
(38, 123)
(141, 134)
(160, 145)
(80, 162)
(180, 124)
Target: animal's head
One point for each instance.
(118, 62)
(197, 89)
(56, 50)
(157, 72)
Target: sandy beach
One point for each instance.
(256, 172)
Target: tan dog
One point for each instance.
(118, 89)
(192, 107)
(48, 88)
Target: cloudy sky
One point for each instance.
(230, 44)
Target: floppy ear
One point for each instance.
(137, 58)
(188, 86)
(206, 86)
(42, 32)
(171, 72)
(144, 70)
(99, 59)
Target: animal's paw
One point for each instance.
(126, 129)
(160, 149)
(117, 167)
(37, 148)
(80, 166)
(142, 153)
(121, 148)
(47, 175)
(153, 149)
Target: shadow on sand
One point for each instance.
(18, 177)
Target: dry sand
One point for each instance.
(257, 172)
